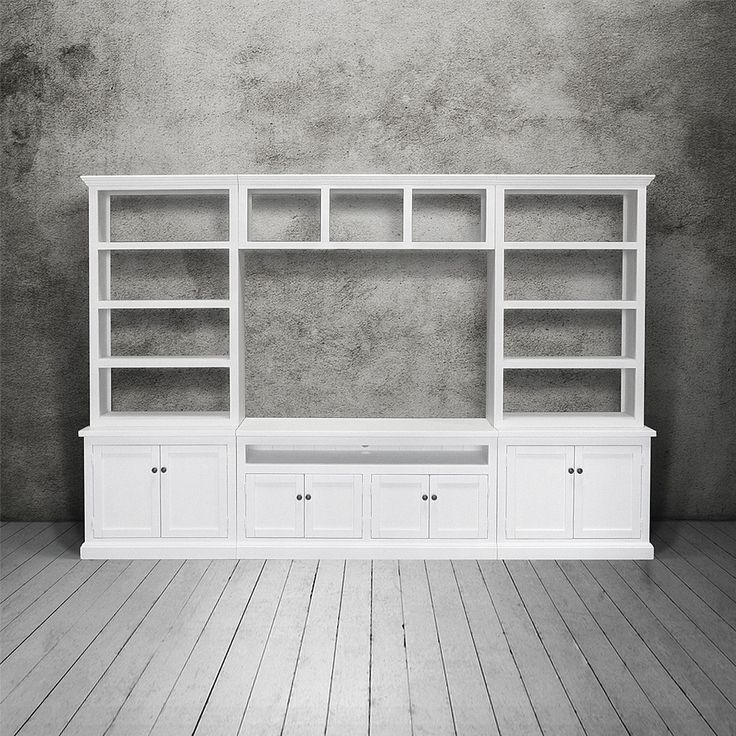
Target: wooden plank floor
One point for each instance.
(278, 647)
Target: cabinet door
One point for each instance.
(274, 505)
(194, 491)
(458, 506)
(539, 491)
(126, 491)
(608, 492)
(400, 506)
(333, 505)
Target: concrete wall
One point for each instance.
(526, 86)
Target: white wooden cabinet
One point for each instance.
(504, 482)
(295, 505)
(573, 492)
(160, 491)
(434, 507)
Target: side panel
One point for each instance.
(539, 491)
(126, 497)
(333, 505)
(608, 492)
(194, 491)
(274, 505)
(400, 506)
(459, 506)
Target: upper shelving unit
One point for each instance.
(565, 271)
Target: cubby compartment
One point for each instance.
(448, 216)
(169, 332)
(178, 217)
(366, 215)
(180, 390)
(562, 332)
(367, 454)
(563, 391)
(563, 217)
(282, 215)
(564, 275)
(169, 274)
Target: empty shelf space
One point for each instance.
(360, 215)
(164, 245)
(202, 333)
(568, 245)
(367, 245)
(447, 216)
(284, 216)
(558, 217)
(169, 216)
(148, 390)
(366, 454)
(556, 420)
(374, 427)
(163, 275)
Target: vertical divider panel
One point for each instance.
(324, 214)
(407, 234)
(234, 295)
(103, 292)
(95, 408)
(496, 227)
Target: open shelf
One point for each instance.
(367, 454)
(582, 362)
(448, 216)
(581, 304)
(163, 304)
(169, 216)
(370, 215)
(284, 215)
(165, 361)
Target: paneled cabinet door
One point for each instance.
(539, 491)
(126, 491)
(274, 505)
(333, 505)
(458, 507)
(194, 491)
(608, 491)
(400, 506)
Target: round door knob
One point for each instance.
(163, 470)
(434, 497)
(425, 497)
(580, 470)
(299, 497)
(154, 470)
(571, 470)
(308, 497)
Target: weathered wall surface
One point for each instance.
(527, 86)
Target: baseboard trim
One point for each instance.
(105, 550)
(573, 550)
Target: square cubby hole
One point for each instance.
(284, 215)
(366, 215)
(448, 216)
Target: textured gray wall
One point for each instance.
(527, 86)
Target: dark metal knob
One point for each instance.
(299, 497)
(163, 470)
(308, 497)
(580, 470)
(154, 470)
(571, 470)
(434, 497)
(425, 497)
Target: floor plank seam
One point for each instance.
(403, 635)
(334, 649)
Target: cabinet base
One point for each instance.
(575, 550)
(120, 549)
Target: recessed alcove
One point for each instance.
(364, 334)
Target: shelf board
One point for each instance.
(162, 245)
(164, 361)
(566, 419)
(164, 420)
(571, 245)
(570, 362)
(399, 427)
(163, 304)
(363, 245)
(570, 304)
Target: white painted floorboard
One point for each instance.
(359, 648)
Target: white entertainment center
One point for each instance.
(214, 482)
